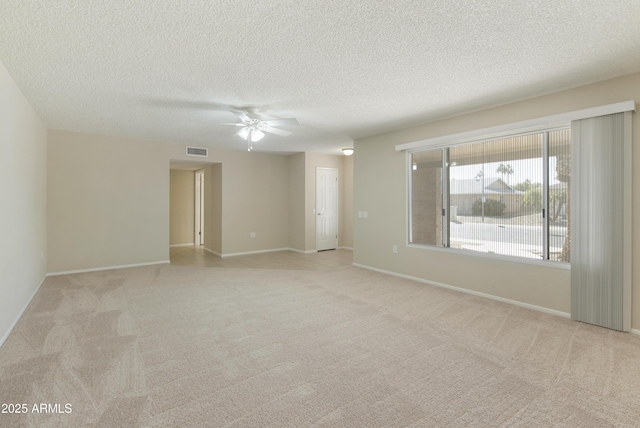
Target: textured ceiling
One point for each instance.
(345, 69)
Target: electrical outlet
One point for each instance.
(252, 235)
(395, 249)
(359, 214)
(365, 214)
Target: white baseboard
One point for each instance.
(635, 331)
(68, 272)
(182, 245)
(211, 251)
(271, 250)
(295, 250)
(315, 251)
(464, 290)
(24, 308)
(254, 252)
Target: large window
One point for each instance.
(507, 196)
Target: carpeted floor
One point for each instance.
(320, 343)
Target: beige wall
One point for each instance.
(345, 205)
(23, 202)
(108, 201)
(254, 199)
(181, 207)
(213, 208)
(380, 189)
(297, 205)
(302, 198)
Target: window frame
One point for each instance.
(446, 197)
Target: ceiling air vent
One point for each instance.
(197, 151)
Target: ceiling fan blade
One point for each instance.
(281, 122)
(276, 131)
(243, 116)
(222, 123)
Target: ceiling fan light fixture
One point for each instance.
(347, 151)
(253, 128)
(256, 134)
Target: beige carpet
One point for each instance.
(196, 346)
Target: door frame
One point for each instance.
(199, 207)
(337, 202)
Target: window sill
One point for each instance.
(493, 256)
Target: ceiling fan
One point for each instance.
(253, 126)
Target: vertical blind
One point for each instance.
(597, 221)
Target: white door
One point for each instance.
(326, 208)
(199, 208)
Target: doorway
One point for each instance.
(326, 208)
(199, 208)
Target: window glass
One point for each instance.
(496, 196)
(426, 198)
(559, 201)
(500, 198)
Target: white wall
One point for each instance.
(380, 189)
(23, 202)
